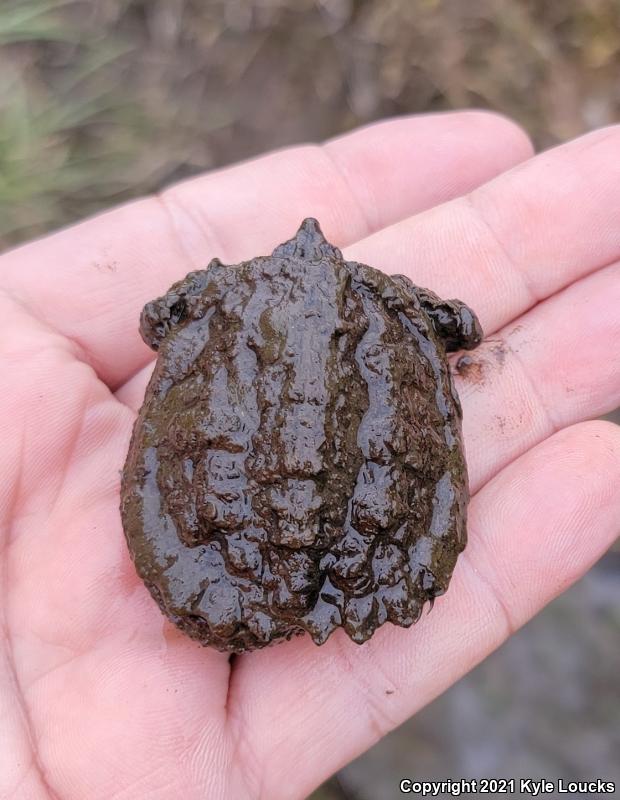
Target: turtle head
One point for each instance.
(309, 244)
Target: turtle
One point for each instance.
(297, 464)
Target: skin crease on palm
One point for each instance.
(100, 697)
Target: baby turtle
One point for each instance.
(297, 463)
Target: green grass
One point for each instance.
(63, 131)
(33, 21)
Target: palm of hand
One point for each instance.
(100, 697)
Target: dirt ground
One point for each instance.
(103, 100)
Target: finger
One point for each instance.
(505, 246)
(91, 281)
(517, 239)
(559, 364)
(536, 528)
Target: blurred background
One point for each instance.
(103, 100)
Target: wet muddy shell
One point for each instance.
(297, 463)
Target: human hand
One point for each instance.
(100, 697)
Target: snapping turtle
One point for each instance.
(297, 463)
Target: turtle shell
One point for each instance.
(297, 464)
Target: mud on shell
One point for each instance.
(297, 463)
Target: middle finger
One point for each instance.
(505, 246)
(556, 365)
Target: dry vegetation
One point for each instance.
(101, 100)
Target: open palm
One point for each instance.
(100, 697)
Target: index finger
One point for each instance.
(91, 281)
